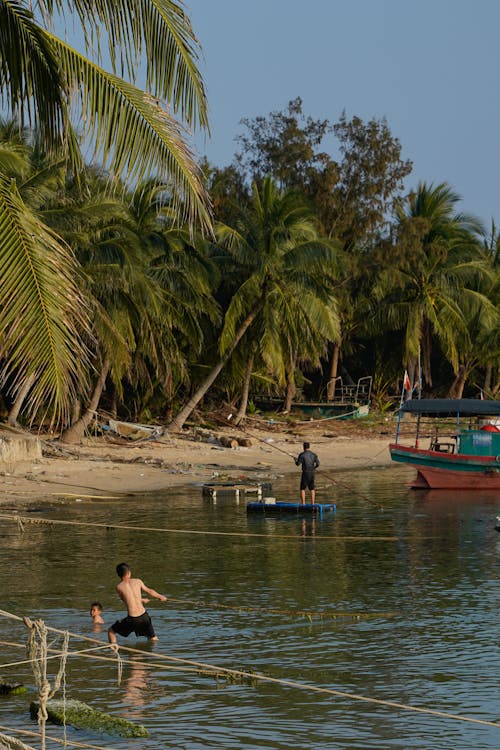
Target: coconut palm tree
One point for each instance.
(285, 289)
(181, 266)
(149, 290)
(46, 82)
(430, 275)
(123, 298)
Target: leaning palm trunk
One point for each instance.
(245, 390)
(334, 367)
(19, 401)
(75, 433)
(177, 423)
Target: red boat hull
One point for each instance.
(449, 471)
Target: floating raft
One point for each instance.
(271, 506)
(213, 490)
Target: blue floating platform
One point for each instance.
(282, 507)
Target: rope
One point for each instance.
(21, 520)
(87, 654)
(256, 676)
(13, 743)
(293, 612)
(73, 743)
(37, 652)
(57, 653)
(252, 676)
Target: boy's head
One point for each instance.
(307, 446)
(122, 569)
(95, 609)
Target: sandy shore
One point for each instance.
(103, 467)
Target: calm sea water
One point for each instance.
(432, 642)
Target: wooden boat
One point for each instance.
(271, 506)
(133, 431)
(350, 401)
(461, 455)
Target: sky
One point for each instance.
(431, 68)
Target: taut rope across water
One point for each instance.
(255, 676)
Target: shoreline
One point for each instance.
(107, 469)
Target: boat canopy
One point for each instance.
(451, 407)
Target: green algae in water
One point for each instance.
(82, 716)
(6, 689)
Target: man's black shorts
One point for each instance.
(307, 481)
(140, 625)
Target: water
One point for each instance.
(433, 645)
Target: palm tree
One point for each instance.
(285, 289)
(123, 298)
(430, 275)
(181, 267)
(46, 82)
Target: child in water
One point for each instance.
(96, 613)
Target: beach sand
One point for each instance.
(107, 467)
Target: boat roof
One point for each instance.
(451, 407)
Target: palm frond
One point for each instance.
(31, 80)
(133, 134)
(158, 31)
(42, 311)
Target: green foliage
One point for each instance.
(47, 84)
(351, 195)
(8, 689)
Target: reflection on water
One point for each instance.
(427, 563)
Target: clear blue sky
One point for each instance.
(431, 68)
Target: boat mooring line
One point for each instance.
(21, 520)
(256, 676)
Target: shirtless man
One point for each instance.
(137, 619)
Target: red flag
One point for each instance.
(406, 382)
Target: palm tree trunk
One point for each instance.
(245, 389)
(75, 433)
(19, 400)
(177, 423)
(77, 410)
(289, 394)
(426, 347)
(457, 387)
(487, 379)
(334, 368)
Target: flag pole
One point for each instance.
(419, 374)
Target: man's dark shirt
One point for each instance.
(309, 461)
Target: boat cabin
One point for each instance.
(453, 426)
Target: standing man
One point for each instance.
(309, 462)
(137, 620)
